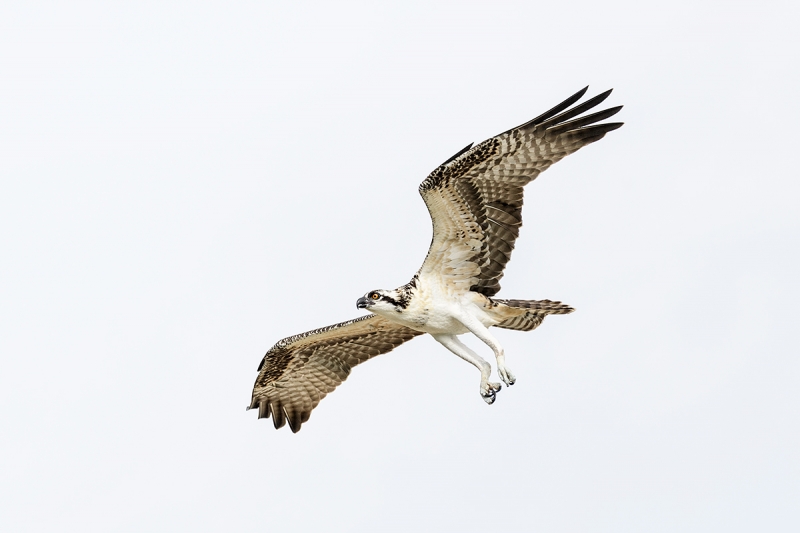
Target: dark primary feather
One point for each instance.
(574, 112)
(299, 371)
(552, 112)
(476, 196)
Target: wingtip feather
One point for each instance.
(278, 417)
(552, 111)
(568, 114)
(581, 122)
(263, 409)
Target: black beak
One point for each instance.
(362, 303)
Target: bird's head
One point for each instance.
(381, 301)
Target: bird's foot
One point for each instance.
(489, 391)
(506, 375)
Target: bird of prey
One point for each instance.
(475, 202)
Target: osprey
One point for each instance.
(475, 202)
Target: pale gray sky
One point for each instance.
(183, 184)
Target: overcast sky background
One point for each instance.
(183, 184)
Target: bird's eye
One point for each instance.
(374, 295)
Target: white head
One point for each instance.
(383, 302)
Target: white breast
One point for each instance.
(436, 306)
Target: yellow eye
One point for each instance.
(374, 296)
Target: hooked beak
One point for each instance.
(362, 303)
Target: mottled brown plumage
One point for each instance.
(299, 371)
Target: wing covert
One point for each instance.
(299, 371)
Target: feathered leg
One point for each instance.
(482, 332)
(488, 390)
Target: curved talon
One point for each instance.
(506, 375)
(489, 392)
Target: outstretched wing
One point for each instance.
(299, 371)
(475, 197)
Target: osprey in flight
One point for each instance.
(475, 201)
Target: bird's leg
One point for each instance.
(482, 332)
(488, 390)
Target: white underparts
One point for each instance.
(445, 314)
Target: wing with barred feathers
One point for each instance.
(299, 371)
(475, 197)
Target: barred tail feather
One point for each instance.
(526, 315)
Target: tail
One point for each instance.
(526, 315)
